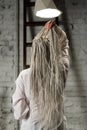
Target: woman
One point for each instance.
(38, 98)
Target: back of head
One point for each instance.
(46, 77)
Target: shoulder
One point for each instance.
(23, 75)
(25, 72)
(63, 39)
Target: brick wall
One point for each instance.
(76, 87)
(7, 62)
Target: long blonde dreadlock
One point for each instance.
(46, 81)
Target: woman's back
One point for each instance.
(29, 113)
(38, 99)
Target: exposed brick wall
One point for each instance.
(7, 62)
(76, 88)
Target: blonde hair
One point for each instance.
(47, 78)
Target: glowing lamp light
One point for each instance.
(46, 9)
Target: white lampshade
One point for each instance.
(46, 9)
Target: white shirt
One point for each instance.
(24, 109)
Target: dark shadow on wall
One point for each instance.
(68, 27)
(78, 75)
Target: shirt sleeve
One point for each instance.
(65, 53)
(64, 57)
(19, 104)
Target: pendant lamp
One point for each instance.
(46, 9)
